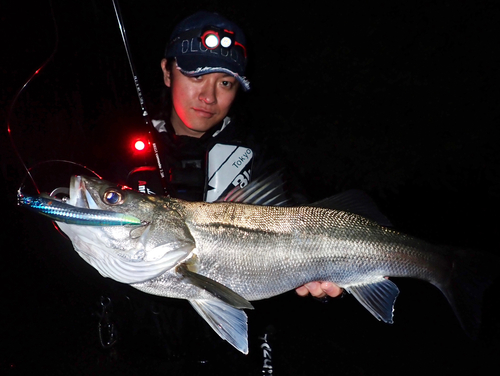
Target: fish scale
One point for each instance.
(305, 252)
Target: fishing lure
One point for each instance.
(59, 211)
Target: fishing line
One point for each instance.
(145, 114)
(52, 161)
(11, 110)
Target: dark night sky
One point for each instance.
(400, 100)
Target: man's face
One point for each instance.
(199, 103)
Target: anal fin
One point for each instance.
(378, 298)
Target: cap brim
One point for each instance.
(202, 65)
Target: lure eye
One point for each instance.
(113, 197)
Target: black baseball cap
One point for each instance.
(205, 43)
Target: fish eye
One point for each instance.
(113, 197)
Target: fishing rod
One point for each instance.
(145, 114)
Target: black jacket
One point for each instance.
(185, 160)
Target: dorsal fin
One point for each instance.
(355, 201)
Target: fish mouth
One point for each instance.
(75, 195)
(79, 196)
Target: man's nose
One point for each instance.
(208, 94)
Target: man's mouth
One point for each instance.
(203, 113)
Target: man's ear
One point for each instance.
(167, 79)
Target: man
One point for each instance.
(204, 152)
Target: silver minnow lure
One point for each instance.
(59, 211)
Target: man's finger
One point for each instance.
(331, 289)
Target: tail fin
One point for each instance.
(471, 275)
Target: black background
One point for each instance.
(399, 99)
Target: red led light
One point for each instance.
(139, 145)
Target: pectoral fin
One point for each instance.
(228, 322)
(378, 298)
(215, 288)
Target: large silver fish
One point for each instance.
(220, 256)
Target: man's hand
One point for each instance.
(319, 289)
